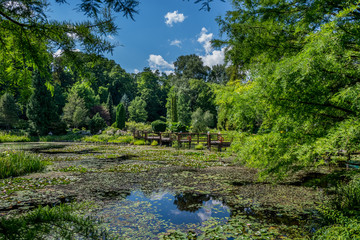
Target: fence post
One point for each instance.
(209, 140)
(146, 136)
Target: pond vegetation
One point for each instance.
(165, 193)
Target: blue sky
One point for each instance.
(162, 31)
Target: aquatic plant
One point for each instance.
(59, 222)
(19, 163)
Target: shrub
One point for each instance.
(5, 137)
(140, 142)
(158, 126)
(122, 139)
(199, 146)
(154, 143)
(97, 123)
(132, 126)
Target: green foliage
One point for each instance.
(177, 127)
(200, 146)
(8, 110)
(135, 126)
(14, 164)
(41, 110)
(154, 143)
(191, 66)
(8, 137)
(174, 112)
(341, 215)
(110, 108)
(97, 123)
(300, 95)
(137, 110)
(61, 222)
(140, 142)
(75, 111)
(84, 91)
(158, 126)
(200, 121)
(120, 116)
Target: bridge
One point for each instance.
(207, 139)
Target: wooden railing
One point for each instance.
(208, 139)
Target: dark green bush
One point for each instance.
(158, 126)
(97, 123)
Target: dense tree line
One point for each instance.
(71, 95)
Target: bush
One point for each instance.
(97, 123)
(5, 137)
(154, 143)
(122, 139)
(199, 146)
(58, 128)
(132, 126)
(140, 142)
(158, 126)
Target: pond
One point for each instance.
(148, 214)
(144, 192)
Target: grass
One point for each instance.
(6, 137)
(59, 222)
(14, 164)
(68, 137)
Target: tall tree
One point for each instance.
(110, 108)
(120, 116)
(41, 110)
(137, 110)
(75, 111)
(191, 66)
(8, 110)
(303, 62)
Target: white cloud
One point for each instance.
(174, 17)
(216, 57)
(169, 72)
(205, 40)
(136, 71)
(158, 62)
(111, 37)
(58, 53)
(176, 43)
(212, 57)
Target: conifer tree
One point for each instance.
(110, 108)
(41, 110)
(174, 114)
(120, 116)
(8, 113)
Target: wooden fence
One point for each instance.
(208, 139)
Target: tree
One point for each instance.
(8, 110)
(96, 123)
(174, 112)
(120, 116)
(84, 91)
(41, 110)
(137, 110)
(75, 111)
(200, 121)
(191, 66)
(301, 66)
(218, 75)
(110, 108)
